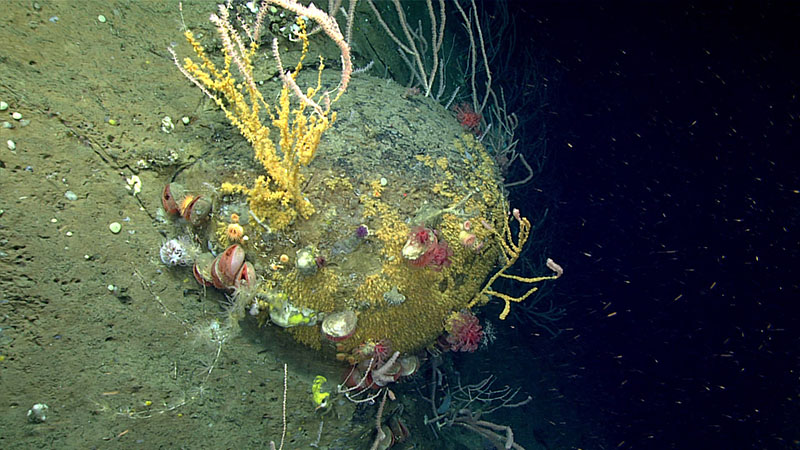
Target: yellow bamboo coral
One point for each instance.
(511, 252)
(277, 196)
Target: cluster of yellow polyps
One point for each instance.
(276, 197)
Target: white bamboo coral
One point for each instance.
(329, 26)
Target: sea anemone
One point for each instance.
(420, 240)
(439, 256)
(467, 117)
(464, 331)
(467, 239)
(424, 248)
(234, 232)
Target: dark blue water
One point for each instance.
(673, 128)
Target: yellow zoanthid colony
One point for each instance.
(367, 228)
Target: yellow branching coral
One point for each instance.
(511, 251)
(277, 196)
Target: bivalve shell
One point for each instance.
(199, 211)
(339, 325)
(246, 275)
(216, 280)
(388, 438)
(408, 365)
(399, 429)
(202, 269)
(196, 210)
(229, 264)
(170, 196)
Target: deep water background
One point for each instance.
(672, 130)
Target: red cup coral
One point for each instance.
(464, 331)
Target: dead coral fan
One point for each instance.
(464, 331)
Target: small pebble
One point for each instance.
(71, 195)
(69, 233)
(16, 115)
(166, 125)
(11, 145)
(38, 413)
(101, 18)
(3, 106)
(384, 181)
(115, 227)
(185, 120)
